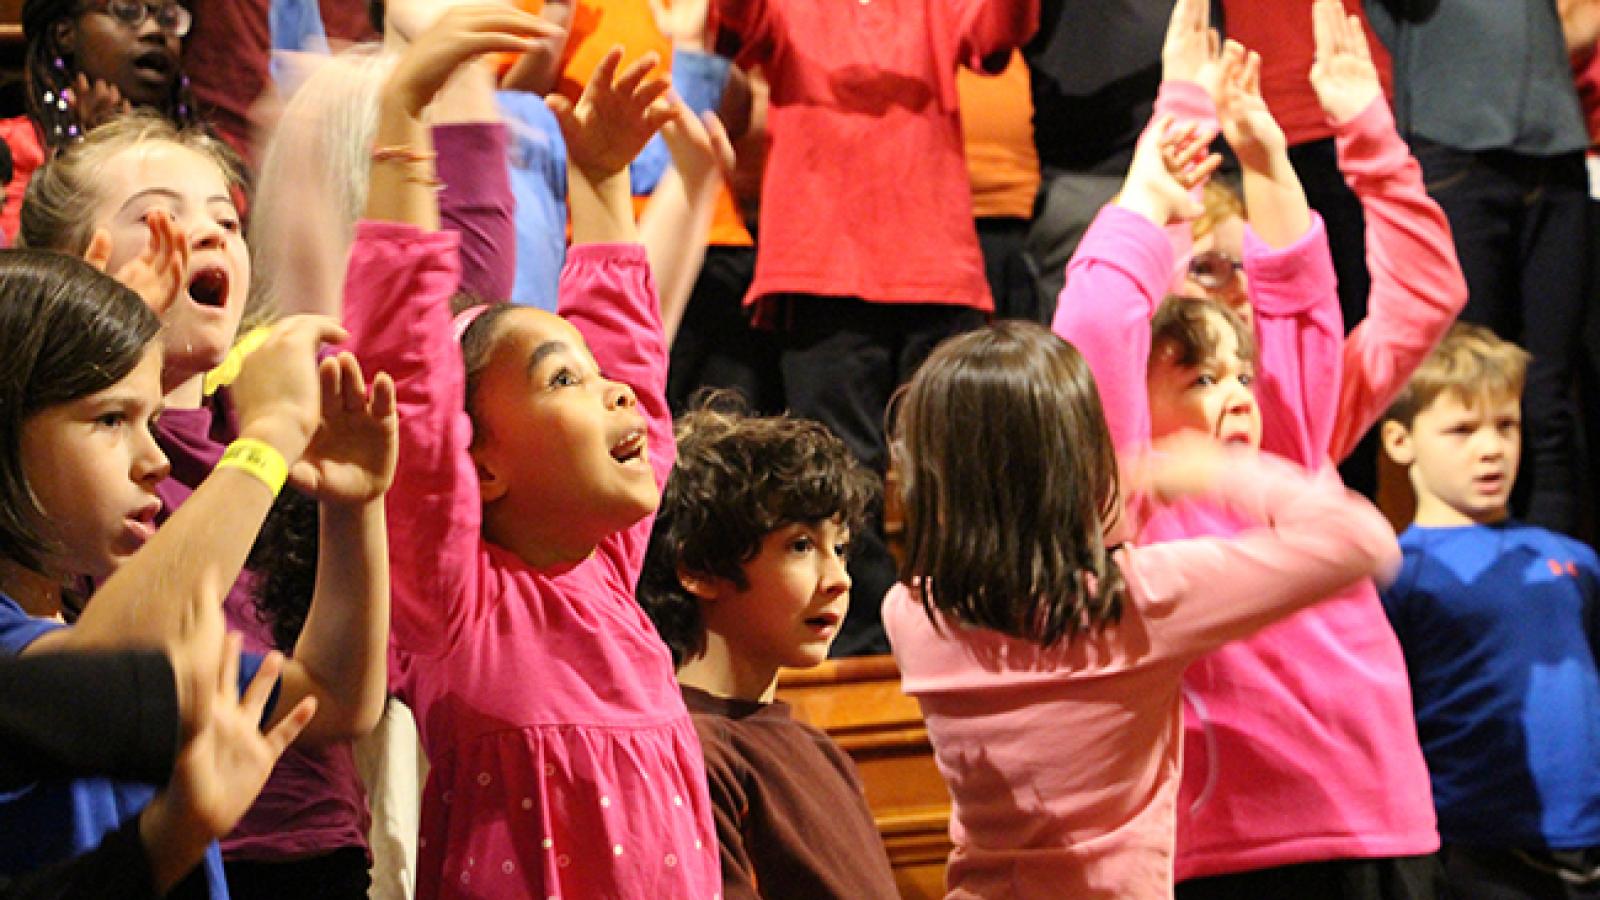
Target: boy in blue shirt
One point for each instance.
(1500, 622)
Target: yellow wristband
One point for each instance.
(260, 459)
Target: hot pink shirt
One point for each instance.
(564, 762)
(865, 193)
(1300, 741)
(1063, 762)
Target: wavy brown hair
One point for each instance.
(737, 479)
(1010, 485)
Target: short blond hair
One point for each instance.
(1219, 202)
(1471, 362)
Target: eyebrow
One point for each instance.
(544, 351)
(147, 192)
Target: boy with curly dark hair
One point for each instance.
(745, 574)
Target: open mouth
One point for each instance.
(630, 448)
(156, 64)
(823, 621)
(143, 522)
(209, 287)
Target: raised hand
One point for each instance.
(699, 145)
(1247, 124)
(682, 21)
(95, 103)
(351, 458)
(278, 394)
(1343, 75)
(461, 34)
(157, 274)
(1192, 51)
(1171, 160)
(221, 767)
(615, 117)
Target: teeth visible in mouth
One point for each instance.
(629, 447)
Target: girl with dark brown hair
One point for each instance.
(1047, 657)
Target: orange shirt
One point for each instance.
(596, 27)
(997, 127)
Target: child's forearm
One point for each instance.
(341, 655)
(193, 559)
(1276, 203)
(602, 208)
(401, 185)
(674, 229)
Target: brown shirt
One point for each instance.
(791, 819)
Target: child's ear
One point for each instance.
(491, 486)
(1397, 443)
(702, 586)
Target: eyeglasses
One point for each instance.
(1213, 269)
(171, 17)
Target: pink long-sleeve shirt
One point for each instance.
(564, 763)
(1299, 742)
(1063, 763)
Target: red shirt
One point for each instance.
(1281, 33)
(226, 56)
(866, 193)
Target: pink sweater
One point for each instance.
(1063, 763)
(1299, 742)
(564, 762)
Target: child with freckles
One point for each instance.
(1303, 775)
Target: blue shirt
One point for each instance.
(53, 820)
(1499, 624)
(537, 161)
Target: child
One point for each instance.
(744, 575)
(79, 500)
(129, 189)
(1048, 660)
(564, 762)
(867, 255)
(1302, 773)
(86, 63)
(1500, 622)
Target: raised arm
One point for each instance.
(677, 222)
(1120, 273)
(1313, 539)
(402, 273)
(607, 291)
(194, 558)
(1417, 285)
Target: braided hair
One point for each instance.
(48, 72)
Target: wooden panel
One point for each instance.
(859, 704)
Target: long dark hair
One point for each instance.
(66, 331)
(1010, 485)
(48, 69)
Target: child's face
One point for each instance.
(1462, 457)
(201, 325)
(799, 593)
(94, 466)
(566, 447)
(1213, 398)
(141, 63)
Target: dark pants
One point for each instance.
(1398, 878)
(1474, 873)
(1013, 280)
(715, 346)
(842, 359)
(1317, 165)
(1520, 231)
(1066, 206)
(340, 875)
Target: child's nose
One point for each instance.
(620, 396)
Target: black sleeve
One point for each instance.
(66, 715)
(116, 870)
